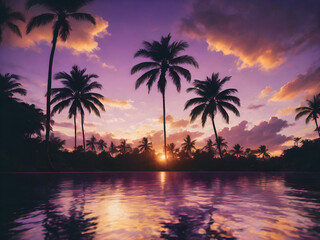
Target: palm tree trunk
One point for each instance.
(215, 132)
(83, 137)
(315, 119)
(54, 42)
(164, 129)
(48, 113)
(75, 131)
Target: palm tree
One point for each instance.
(101, 144)
(56, 143)
(220, 143)
(209, 147)
(188, 144)
(9, 87)
(7, 17)
(312, 110)
(171, 148)
(237, 150)
(296, 141)
(124, 147)
(212, 99)
(263, 151)
(77, 93)
(113, 149)
(248, 152)
(91, 143)
(60, 12)
(145, 145)
(164, 59)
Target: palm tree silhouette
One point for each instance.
(248, 152)
(101, 145)
(91, 143)
(113, 149)
(212, 99)
(7, 17)
(77, 93)
(9, 87)
(263, 151)
(165, 60)
(312, 110)
(220, 143)
(60, 12)
(145, 145)
(237, 150)
(209, 147)
(171, 149)
(296, 141)
(124, 147)
(188, 145)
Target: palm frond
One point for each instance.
(143, 66)
(83, 17)
(39, 20)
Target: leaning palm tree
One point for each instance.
(263, 152)
(312, 110)
(145, 145)
(188, 145)
(101, 145)
(209, 147)
(60, 12)
(7, 17)
(164, 60)
(124, 147)
(76, 91)
(212, 99)
(237, 150)
(9, 86)
(113, 149)
(296, 141)
(91, 143)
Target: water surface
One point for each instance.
(160, 205)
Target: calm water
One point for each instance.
(159, 205)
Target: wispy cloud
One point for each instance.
(123, 104)
(252, 106)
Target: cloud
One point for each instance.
(173, 122)
(123, 104)
(258, 33)
(307, 83)
(265, 92)
(252, 106)
(265, 133)
(286, 111)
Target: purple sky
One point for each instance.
(270, 48)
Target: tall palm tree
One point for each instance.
(124, 147)
(237, 150)
(312, 110)
(101, 145)
(113, 149)
(9, 86)
(164, 60)
(91, 143)
(145, 145)
(60, 12)
(212, 99)
(7, 17)
(248, 152)
(209, 147)
(76, 91)
(188, 144)
(263, 151)
(296, 141)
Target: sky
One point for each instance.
(270, 48)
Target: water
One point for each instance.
(160, 205)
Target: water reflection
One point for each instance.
(160, 205)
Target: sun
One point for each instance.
(163, 157)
